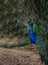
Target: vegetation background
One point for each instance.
(14, 15)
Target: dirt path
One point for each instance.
(26, 55)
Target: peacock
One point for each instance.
(32, 31)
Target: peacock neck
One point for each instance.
(31, 28)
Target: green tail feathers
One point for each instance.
(35, 28)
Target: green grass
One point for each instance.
(5, 45)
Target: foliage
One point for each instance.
(15, 13)
(25, 42)
(12, 17)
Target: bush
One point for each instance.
(14, 13)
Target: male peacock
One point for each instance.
(32, 31)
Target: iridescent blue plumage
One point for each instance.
(32, 35)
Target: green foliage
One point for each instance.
(15, 13)
(22, 43)
(12, 17)
(1, 36)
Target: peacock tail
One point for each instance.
(35, 29)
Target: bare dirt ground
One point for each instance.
(26, 55)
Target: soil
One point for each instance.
(25, 55)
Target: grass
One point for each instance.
(5, 45)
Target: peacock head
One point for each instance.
(30, 22)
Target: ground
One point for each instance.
(26, 55)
